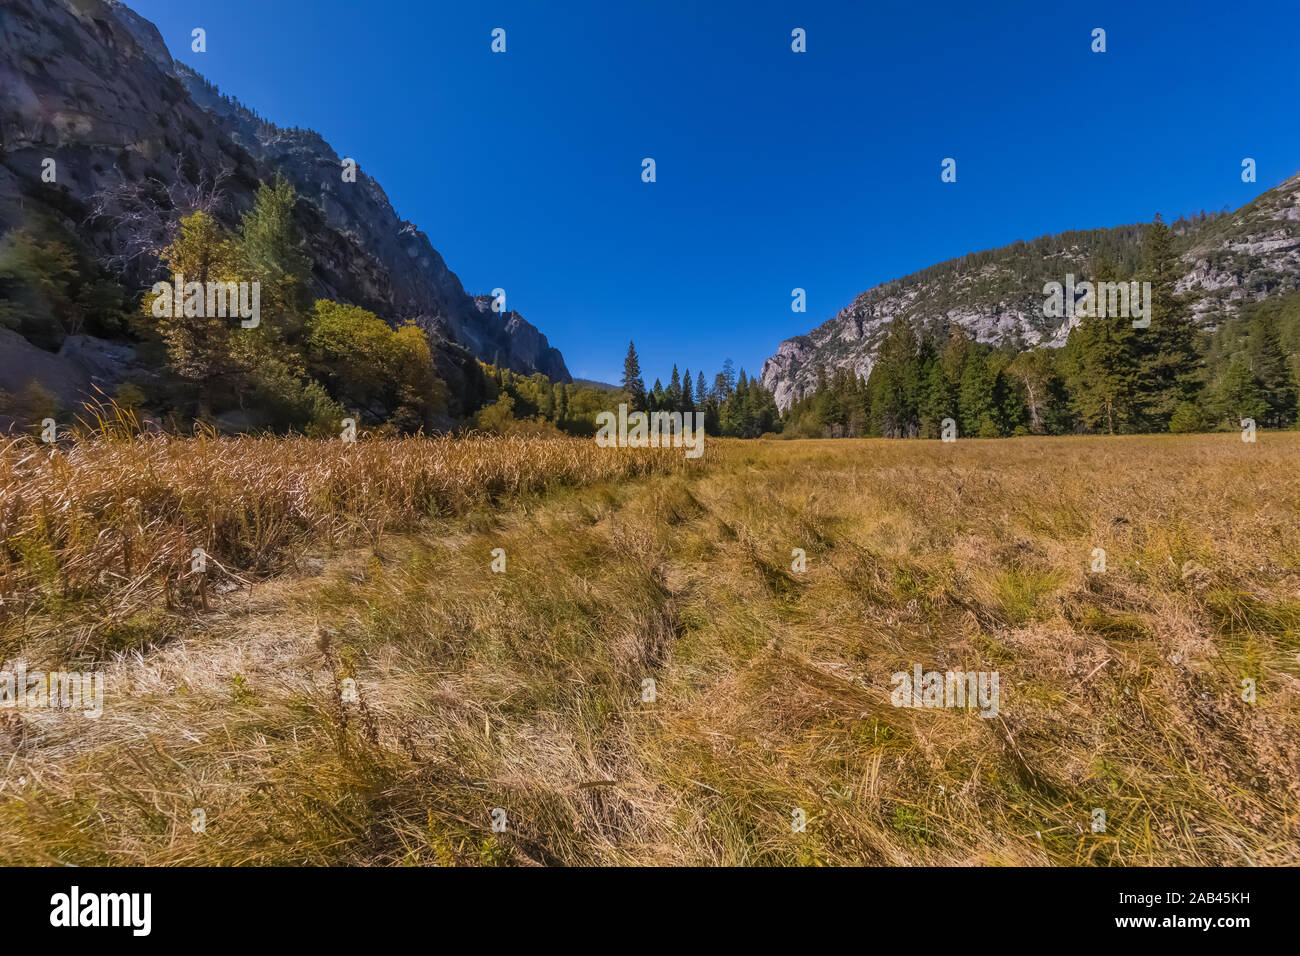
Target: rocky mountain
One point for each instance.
(997, 295)
(136, 136)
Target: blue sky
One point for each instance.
(776, 170)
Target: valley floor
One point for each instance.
(522, 696)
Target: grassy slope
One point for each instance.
(522, 690)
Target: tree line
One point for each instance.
(734, 405)
(1109, 378)
(312, 362)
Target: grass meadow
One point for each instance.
(370, 566)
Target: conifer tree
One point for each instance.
(1169, 361)
(728, 378)
(1102, 369)
(273, 250)
(976, 396)
(632, 381)
(938, 400)
(1237, 395)
(1268, 363)
(894, 383)
(673, 393)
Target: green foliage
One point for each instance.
(1187, 418)
(1237, 395)
(894, 383)
(273, 253)
(532, 404)
(632, 381)
(50, 287)
(130, 396)
(199, 345)
(1107, 378)
(976, 398)
(34, 281)
(497, 418)
(368, 365)
(1252, 363)
(1168, 353)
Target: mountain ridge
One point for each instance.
(92, 84)
(996, 294)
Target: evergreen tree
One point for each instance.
(1102, 371)
(1238, 395)
(728, 378)
(632, 381)
(976, 395)
(1009, 409)
(1169, 360)
(938, 400)
(276, 257)
(673, 393)
(894, 383)
(1268, 363)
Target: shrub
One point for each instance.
(1187, 418)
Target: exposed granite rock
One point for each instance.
(92, 85)
(1243, 256)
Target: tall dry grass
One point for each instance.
(107, 520)
(522, 690)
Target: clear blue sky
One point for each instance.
(775, 169)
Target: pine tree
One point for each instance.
(938, 401)
(894, 383)
(1101, 365)
(1238, 395)
(976, 396)
(1268, 363)
(632, 381)
(728, 378)
(688, 399)
(276, 257)
(1169, 360)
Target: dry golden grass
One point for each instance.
(106, 525)
(523, 690)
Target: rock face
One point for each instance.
(997, 295)
(91, 85)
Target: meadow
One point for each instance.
(1163, 690)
